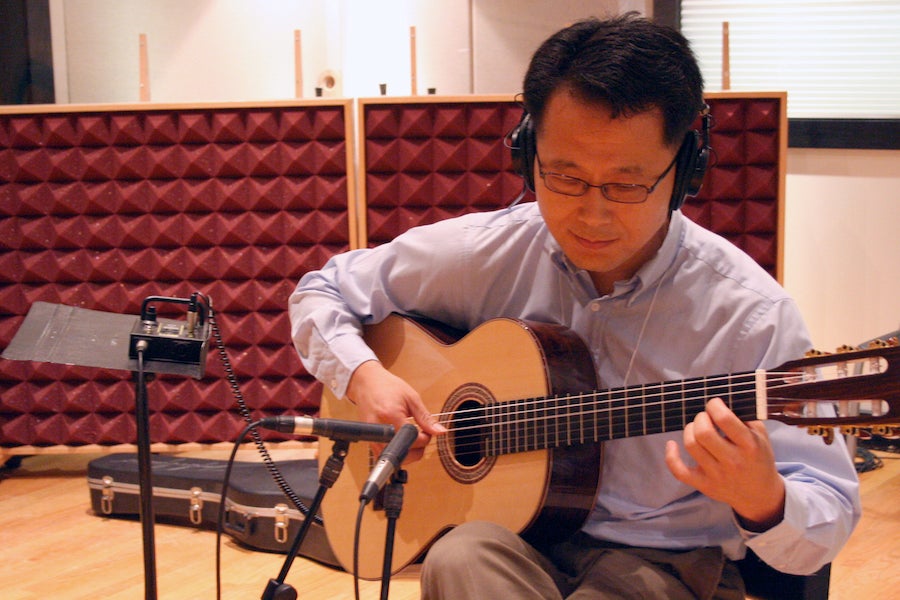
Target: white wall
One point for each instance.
(842, 242)
(198, 50)
(507, 32)
(842, 228)
(235, 50)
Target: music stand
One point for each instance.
(68, 335)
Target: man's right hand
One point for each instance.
(382, 397)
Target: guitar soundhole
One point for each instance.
(468, 446)
(463, 450)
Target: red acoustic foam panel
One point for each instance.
(99, 210)
(426, 161)
(741, 194)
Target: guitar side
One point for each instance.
(541, 493)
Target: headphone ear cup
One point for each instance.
(522, 147)
(690, 169)
(698, 172)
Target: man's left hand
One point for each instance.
(735, 464)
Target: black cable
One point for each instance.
(359, 517)
(220, 519)
(881, 444)
(866, 461)
(247, 416)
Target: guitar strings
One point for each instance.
(597, 415)
(576, 408)
(707, 386)
(710, 388)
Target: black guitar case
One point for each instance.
(187, 491)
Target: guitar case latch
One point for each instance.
(195, 513)
(107, 495)
(282, 521)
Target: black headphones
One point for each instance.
(690, 165)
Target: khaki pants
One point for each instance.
(484, 560)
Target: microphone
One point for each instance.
(335, 429)
(389, 461)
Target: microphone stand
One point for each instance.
(392, 503)
(146, 513)
(277, 589)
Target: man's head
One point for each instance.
(628, 64)
(610, 104)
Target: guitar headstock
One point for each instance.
(863, 385)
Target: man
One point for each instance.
(605, 252)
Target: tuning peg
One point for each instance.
(880, 343)
(862, 433)
(843, 348)
(890, 431)
(812, 353)
(826, 433)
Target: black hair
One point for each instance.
(627, 63)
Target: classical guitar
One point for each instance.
(522, 404)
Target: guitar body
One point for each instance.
(543, 494)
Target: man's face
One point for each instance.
(610, 240)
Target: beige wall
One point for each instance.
(842, 242)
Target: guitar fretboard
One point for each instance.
(542, 423)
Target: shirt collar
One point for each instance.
(648, 275)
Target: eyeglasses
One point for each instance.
(625, 193)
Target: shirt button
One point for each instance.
(595, 306)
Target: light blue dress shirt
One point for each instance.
(699, 307)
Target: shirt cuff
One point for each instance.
(347, 352)
(784, 546)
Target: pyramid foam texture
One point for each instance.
(100, 210)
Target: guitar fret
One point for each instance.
(654, 411)
(580, 413)
(490, 429)
(633, 417)
(643, 409)
(729, 400)
(510, 437)
(562, 421)
(558, 417)
(695, 396)
(744, 398)
(530, 426)
(541, 428)
(594, 434)
(673, 420)
(618, 414)
(609, 416)
(521, 430)
(497, 427)
(495, 418)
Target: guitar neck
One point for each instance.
(542, 423)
